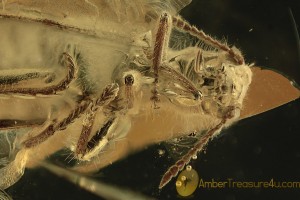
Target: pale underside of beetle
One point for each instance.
(112, 75)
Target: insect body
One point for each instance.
(99, 83)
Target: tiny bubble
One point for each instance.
(178, 183)
(161, 152)
(189, 168)
(194, 157)
(183, 178)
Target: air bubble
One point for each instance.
(188, 168)
(161, 152)
(183, 178)
(178, 183)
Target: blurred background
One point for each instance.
(255, 149)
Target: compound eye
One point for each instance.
(129, 80)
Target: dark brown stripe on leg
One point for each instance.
(62, 85)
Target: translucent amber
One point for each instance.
(188, 184)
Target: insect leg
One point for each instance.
(57, 126)
(112, 128)
(161, 42)
(183, 25)
(129, 80)
(7, 83)
(97, 142)
(173, 74)
(109, 94)
(17, 78)
(198, 147)
(16, 123)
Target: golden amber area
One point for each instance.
(187, 182)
